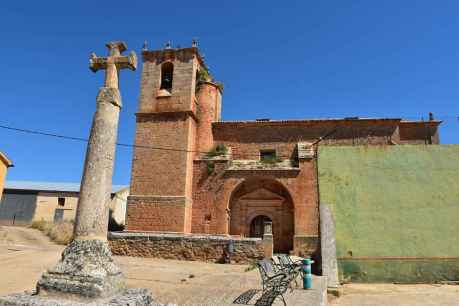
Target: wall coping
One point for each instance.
(178, 236)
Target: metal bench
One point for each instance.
(293, 268)
(274, 282)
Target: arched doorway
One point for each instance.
(257, 200)
(257, 226)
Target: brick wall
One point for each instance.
(419, 132)
(214, 192)
(166, 119)
(209, 108)
(246, 139)
(182, 97)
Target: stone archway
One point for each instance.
(265, 197)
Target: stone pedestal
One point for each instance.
(268, 245)
(128, 297)
(86, 269)
(268, 241)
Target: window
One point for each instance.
(167, 72)
(61, 201)
(268, 155)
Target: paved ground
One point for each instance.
(26, 253)
(398, 295)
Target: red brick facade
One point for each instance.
(183, 189)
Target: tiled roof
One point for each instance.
(51, 186)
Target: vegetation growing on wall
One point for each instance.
(218, 150)
(203, 75)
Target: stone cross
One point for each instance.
(92, 214)
(86, 273)
(86, 267)
(113, 63)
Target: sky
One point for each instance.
(276, 59)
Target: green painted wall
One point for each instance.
(396, 210)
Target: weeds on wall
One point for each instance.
(218, 150)
(203, 75)
(210, 167)
(270, 160)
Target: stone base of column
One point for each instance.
(85, 275)
(129, 297)
(86, 269)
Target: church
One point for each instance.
(193, 173)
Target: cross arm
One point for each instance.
(130, 61)
(96, 63)
(122, 62)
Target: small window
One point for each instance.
(61, 201)
(268, 155)
(167, 73)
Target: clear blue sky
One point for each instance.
(277, 59)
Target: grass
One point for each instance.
(218, 150)
(60, 232)
(251, 266)
(270, 160)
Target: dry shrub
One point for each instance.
(60, 232)
(42, 225)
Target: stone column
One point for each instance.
(86, 267)
(328, 246)
(92, 214)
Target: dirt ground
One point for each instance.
(25, 253)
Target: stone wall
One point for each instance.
(209, 248)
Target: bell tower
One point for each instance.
(173, 99)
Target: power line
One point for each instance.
(35, 132)
(86, 140)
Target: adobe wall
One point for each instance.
(47, 203)
(396, 211)
(186, 247)
(3, 171)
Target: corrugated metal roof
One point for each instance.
(51, 186)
